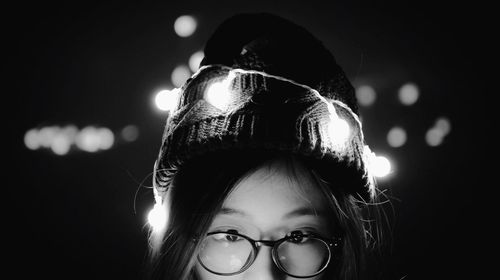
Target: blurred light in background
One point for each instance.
(185, 25)
(435, 135)
(60, 140)
(195, 60)
(408, 94)
(46, 135)
(179, 75)
(380, 166)
(166, 100)
(89, 139)
(106, 138)
(366, 95)
(443, 124)
(31, 139)
(130, 133)
(396, 137)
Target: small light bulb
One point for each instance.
(167, 100)
(339, 130)
(219, 93)
(378, 166)
(381, 166)
(157, 217)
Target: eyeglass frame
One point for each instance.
(332, 244)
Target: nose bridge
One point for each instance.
(263, 268)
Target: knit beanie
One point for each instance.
(266, 83)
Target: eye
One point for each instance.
(229, 236)
(297, 236)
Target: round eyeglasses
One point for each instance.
(299, 255)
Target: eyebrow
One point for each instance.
(302, 211)
(231, 211)
(305, 211)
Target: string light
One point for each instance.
(61, 140)
(378, 166)
(185, 25)
(31, 139)
(408, 94)
(396, 137)
(338, 129)
(166, 100)
(180, 74)
(381, 166)
(195, 60)
(219, 93)
(157, 217)
(436, 134)
(130, 133)
(366, 95)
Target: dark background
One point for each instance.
(78, 216)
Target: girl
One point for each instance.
(263, 172)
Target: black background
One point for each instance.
(78, 216)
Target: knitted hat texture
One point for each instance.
(266, 84)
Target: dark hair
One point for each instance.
(198, 189)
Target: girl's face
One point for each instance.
(267, 205)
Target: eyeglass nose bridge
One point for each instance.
(268, 243)
(257, 244)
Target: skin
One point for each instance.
(268, 204)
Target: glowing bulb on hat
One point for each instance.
(381, 166)
(338, 128)
(157, 217)
(378, 166)
(166, 100)
(219, 93)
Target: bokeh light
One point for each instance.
(61, 144)
(195, 60)
(70, 131)
(31, 139)
(443, 124)
(130, 133)
(166, 100)
(408, 94)
(185, 25)
(106, 138)
(180, 74)
(61, 140)
(366, 95)
(434, 137)
(46, 135)
(436, 134)
(381, 166)
(88, 139)
(396, 137)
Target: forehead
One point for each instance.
(275, 189)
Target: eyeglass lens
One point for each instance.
(226, 253)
